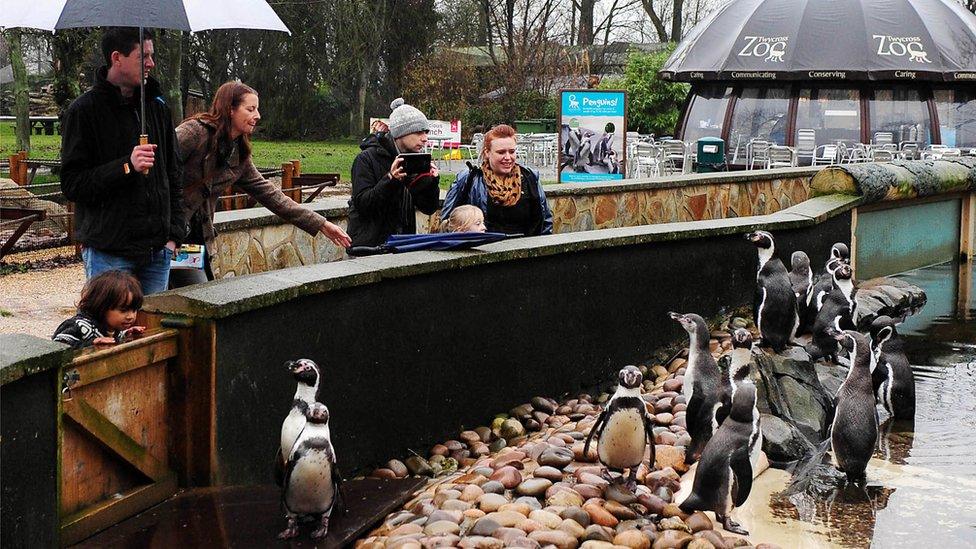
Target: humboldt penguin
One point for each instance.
(307, 374)
(724, 476)
(854, 431)
(624, 428)
(704, 386)
(801, 278)
(311, 484)
(739, 365)
(839, 253)
(836, 313)
(774, 305)
(894, 384)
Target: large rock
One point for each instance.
(788, 387)
(781, 440)
(886, 296)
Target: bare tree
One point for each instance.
(22, 126)
(586, 9)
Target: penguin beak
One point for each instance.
(290, 365)
(676, 316)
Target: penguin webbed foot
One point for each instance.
(632, 480)
(733, 526)
(291, 531)
(323, 529)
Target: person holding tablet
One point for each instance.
(391, 178)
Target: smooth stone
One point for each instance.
(383, 472)
(666, 494)
(576, 514)
(405, 543)
(445, 494)
(713, 537)
(469, 437)
(471, 493)
(670, 456)
(507, 519)
(442, 527)
(664, 418)
(483, 471)
(533, 487)
(557, 457)
(497, 445)
(509, 476)
(620, 494)
(443, 540)
(530, 502)
(673, 523)
(565, 498)
(545, 518)
(664, 477)
(418, 466)
(543, 405)
(493, 487)
(588, 491)
(619, 510)
(454, 445)
(596, 532)
(528, 526)
(653, 503)
(671, 539)
(479, 449)
(473, 513)
(480, 542)
(594, 544)
(507, 534)
(455, 505)
(633, 539)
(484, 527)
(666, 437)
(599, 515)
(698, 521)
(594, 480)
(548, 473)
(406, 529)
(513, 459)
(397, 467)
(490, 502)
(672, 510)
(558, 538)
(663, 405)
(699, 543)
(511, 428)
(439, 515)
(573, 528)
(519, 508)
(673, 384)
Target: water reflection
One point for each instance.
(922, 480)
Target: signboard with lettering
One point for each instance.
(592, 135)
(446, 131)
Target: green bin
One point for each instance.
(711, 155)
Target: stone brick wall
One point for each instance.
(251, 241)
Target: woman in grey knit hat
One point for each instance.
(384, 196)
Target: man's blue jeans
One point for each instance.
(151, 270)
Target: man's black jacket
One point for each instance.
(380, 206)
(123, 214)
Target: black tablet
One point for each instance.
(416, 163)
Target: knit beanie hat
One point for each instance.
(406, 119)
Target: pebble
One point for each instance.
(514, 507)
(383, 473)
(616, 492)
(619, 510)
(531, 502)
(484, 527)
(545, 518)
(533, 487)
(565, 498)
(471, 493)
(441, 514)
(577, 515)
(596, 532)
(599, 515)
(544, 405)
(455, 505)
(664, 418)
(588, 491)
(672, 510)
(442, 527)
(573, 528)
(700, 543)
(548, 473)
(493, 487)
(418, 466)
(497, 445)
(714, 538)
(491, 502)
(556, 457)
(479, 542)
(633, 539)
(673, 523)
(698, 521)
(670, 456)
(406, 529)
(469, 437)
(513, 459)
(528, 526)
(594, 544)
(507, 519)
(510, 429)
(509, 476)
(593, 480)
(671, 539)
(558, 538)
(653, 503)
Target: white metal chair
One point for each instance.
(647, 160)
(826, 154)
(909, 150)
(781, 157)
(757, 152)
(806, 144)
(883, 138)
(882, 155)
(675, 152)
(473, 151)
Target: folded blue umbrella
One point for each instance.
(435, 241)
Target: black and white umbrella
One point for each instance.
(185, 15)
(829, 40)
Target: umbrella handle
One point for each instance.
(144, 140)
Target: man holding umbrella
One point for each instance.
(127, 195)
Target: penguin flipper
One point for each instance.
(596, 429)
(696, 427)
(279, 468)
(339, 503)
(742, 470)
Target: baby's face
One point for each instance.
(476, 226)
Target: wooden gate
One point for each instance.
(114, 434)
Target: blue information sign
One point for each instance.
(592, 133)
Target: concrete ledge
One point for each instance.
(678, 181)
(235, 295)
(22, 355)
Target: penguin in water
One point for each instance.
(724, 476)
(836, 313)
(774, 305)
(893, 382)
(801, 278)
(854, 431)
(704, 386)
(624, 428)
(824, 282)
(307, 375)
(311, 485)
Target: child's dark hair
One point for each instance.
(122, 40)
(110, 290)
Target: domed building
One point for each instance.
(807, 73)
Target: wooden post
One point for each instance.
(298, 167)
(287, 172)
(15, 168)
(23, 168)
(71, 229)
(967, 228)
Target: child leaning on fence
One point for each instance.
(464, 219)
(106, 312)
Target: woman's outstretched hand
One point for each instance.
(335, 233)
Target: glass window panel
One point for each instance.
(957, 116)
(760, 113)
(902, 112)
(833, 113)
(706, 115)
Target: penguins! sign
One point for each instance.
(592, 135)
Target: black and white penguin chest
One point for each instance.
(311, 486)
(293, 425)
(623, 438)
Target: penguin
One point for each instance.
(824, 282)
(893, 382)
(801, 278)
(704, 386)
(854, 430)
(307, 374)
(836, 313)
(774, 305)
(741, 360)
(311, 484)
(723, 480)
(624, 428)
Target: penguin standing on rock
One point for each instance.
(801, 278)
(307, 374)
(836, 313)
(311, 485)
(723, 480)
(704, 386)
(839, 253)
(894, 385)
(624, 428)
(854, 431)
(774, 306)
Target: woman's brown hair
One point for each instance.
(501, 131)
(229, 96)
(110, 290)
